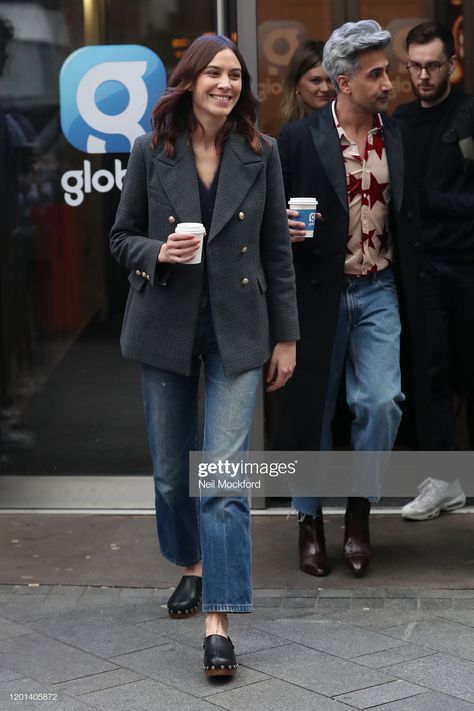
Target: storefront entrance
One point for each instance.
(69, 404)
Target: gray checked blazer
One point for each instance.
(248, 253)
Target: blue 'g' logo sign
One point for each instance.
(107, 95)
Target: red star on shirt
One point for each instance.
(367, 238)
(376, 191)
(354, 187)
(377, 144)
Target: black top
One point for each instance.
(207, 196)
(444, 175)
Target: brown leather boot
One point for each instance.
(357, 536)
(312, 544)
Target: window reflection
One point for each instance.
(69, 403)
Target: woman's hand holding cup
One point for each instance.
(183, 246)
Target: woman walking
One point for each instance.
(206, 162)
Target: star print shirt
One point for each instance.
(369, 247)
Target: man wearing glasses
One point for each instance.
(442, 121)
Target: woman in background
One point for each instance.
(306, 86)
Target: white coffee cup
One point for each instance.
(196, 229)
(306, 207)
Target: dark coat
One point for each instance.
(249, 266)
(312, 165)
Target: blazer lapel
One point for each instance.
(179, 180)
(239, 169)
(328, 145)
(396, 168)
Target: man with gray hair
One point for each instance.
(356, 279)
(347, 43)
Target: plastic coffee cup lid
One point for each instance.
(303, 201)
(193, 227)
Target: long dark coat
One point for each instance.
(312, 165)
(249, 266)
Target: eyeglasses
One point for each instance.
(431, 68)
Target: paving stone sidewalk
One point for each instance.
(76, 648)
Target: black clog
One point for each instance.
(219, 657)
(186, 599)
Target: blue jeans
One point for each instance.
(367, 349)
(214, 529)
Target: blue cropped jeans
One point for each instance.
(367, 349)
(214, 529)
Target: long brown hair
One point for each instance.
(173, 114)
(308, 55)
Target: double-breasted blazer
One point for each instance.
(313, 165)
(248, 257)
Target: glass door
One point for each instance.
(70, 404)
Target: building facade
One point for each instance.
(70, 405)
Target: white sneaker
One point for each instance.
(435, 496)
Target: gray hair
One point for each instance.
(342, 50)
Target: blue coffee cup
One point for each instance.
(306, 208)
